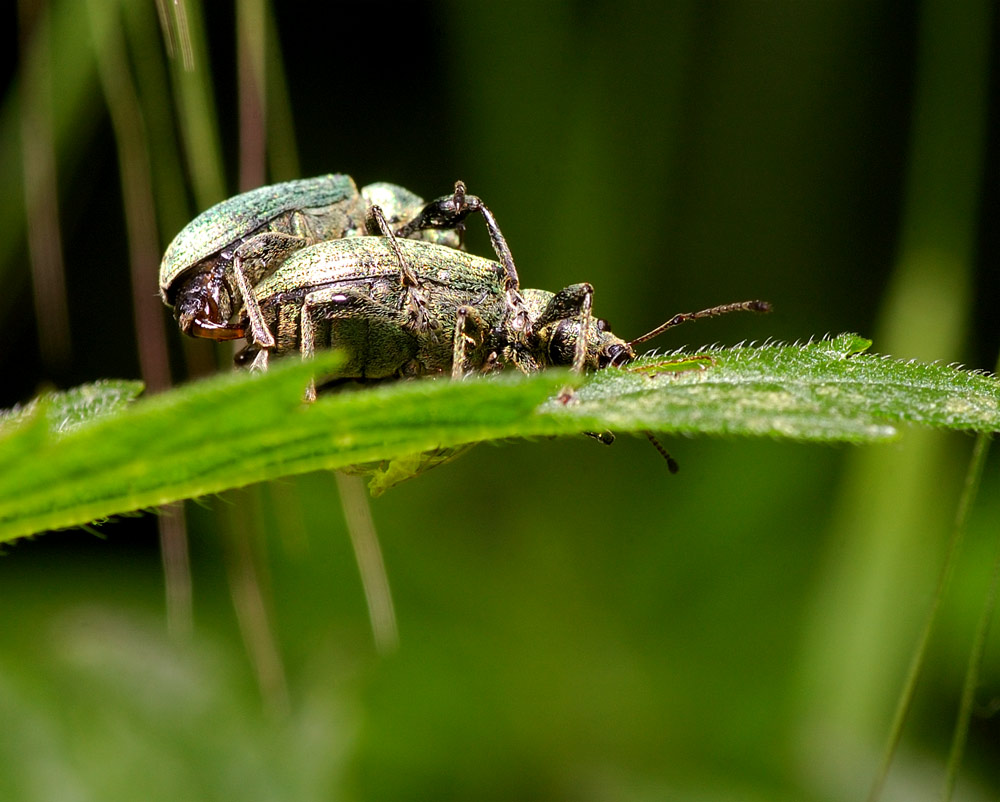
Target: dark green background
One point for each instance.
(575, 623)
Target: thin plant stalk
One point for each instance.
(41, 201)
(140, 217)
(905, 702)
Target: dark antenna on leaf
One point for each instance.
(715, 311)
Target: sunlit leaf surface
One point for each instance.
(242, 428)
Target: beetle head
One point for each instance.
(556, 323)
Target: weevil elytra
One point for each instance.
(209, 269)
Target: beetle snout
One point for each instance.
(198, 316)
(193, 310)
(211, 331)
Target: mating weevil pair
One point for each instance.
(290, 268)
(209, 269)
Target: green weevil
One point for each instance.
(209, 269)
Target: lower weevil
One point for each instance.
(408, 308)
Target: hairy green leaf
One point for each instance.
(242, 428)
(824, 390)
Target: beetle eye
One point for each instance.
(603, 325)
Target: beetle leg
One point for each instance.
(450, 211)
(465, 316)
(415, 300)
(573, 302)
(259, 332)
(521, 358)
(491, 363)
(377, 220)
(251, 261)
(307, 327)
(580, 353)
(260, 360)
(332, 303)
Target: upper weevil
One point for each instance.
(209, 270)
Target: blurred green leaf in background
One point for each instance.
(574, 622)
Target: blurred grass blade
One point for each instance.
(72, 77)
(137, 189)
(371, 566)
(905, 701)
(975, 663)
(246, 568)
(282, 151)
(175, 30)
(40, 194)
(194, 99)
(242, 428)
(152, 83)
(970, 491)
(893, 501)
(251, 46)
(136, 176)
